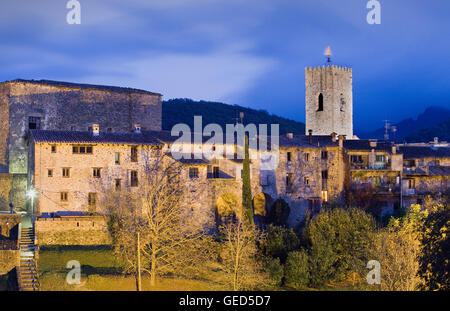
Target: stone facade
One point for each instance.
(72, 231)
(65, 106)
(329, 101)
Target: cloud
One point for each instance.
(222, 75)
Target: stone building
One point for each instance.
(52, 105)
(329, 101)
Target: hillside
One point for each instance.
(430, 118)
(442, 131)
(183, 111)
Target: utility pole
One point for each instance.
(139, 262)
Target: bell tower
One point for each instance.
(329, 100)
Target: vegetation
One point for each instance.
(297, 269)
(279, 213)
(247, 204)
(183, 111)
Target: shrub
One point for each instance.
(296, 269)
(280, 241)
(274, 269)
(338, 241)
(279, 213)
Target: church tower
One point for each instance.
(329, 101)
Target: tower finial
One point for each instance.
(328, 54)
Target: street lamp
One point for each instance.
(32, 194)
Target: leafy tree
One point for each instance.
(279, 242)
(297, 269)
(434, 264)
(274, 269)
(247, 204)
(338, 240)
(279, 213)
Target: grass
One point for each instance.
(101, 272)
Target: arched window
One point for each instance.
(342, 102)
(320, 102)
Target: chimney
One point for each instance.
(290, 135)
(310, 136)
(341, 141)
(137, 128)
(394, 149)
(95, 129)
(333, 137)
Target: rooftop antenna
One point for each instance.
(328, 54)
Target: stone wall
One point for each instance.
(334, 83)
(9, 226)
(9, 259)
(65, 108)
(89, 230)
(5, 189)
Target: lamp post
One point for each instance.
(31, 194)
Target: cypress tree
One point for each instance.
(247, 206)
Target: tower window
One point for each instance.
(342, 103)
(34, 123)
(320, 102)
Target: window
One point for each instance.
(289, 181)
(92, 199)
(379, 158)
(53, 149)
(66, 172)
(193, 172)
(325, 174)
(306, 180)
(118, 184)
(117, 158)
(307, 157)
(325, 196)
(79, 149)
(289, 156)
(64, 196)
(109, 130)
(50, 172)
(411, 184)
(324, 155)
(34, 123)
(320, 108)
(356, 159)
(134, 179)
(342, 103)
(216, 172)
(97, 172)
(134, 154)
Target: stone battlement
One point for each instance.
(328, 68)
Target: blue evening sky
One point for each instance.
(246, 52)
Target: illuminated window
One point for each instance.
(117, 158)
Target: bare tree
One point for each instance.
(239, 254)
(168, 228)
